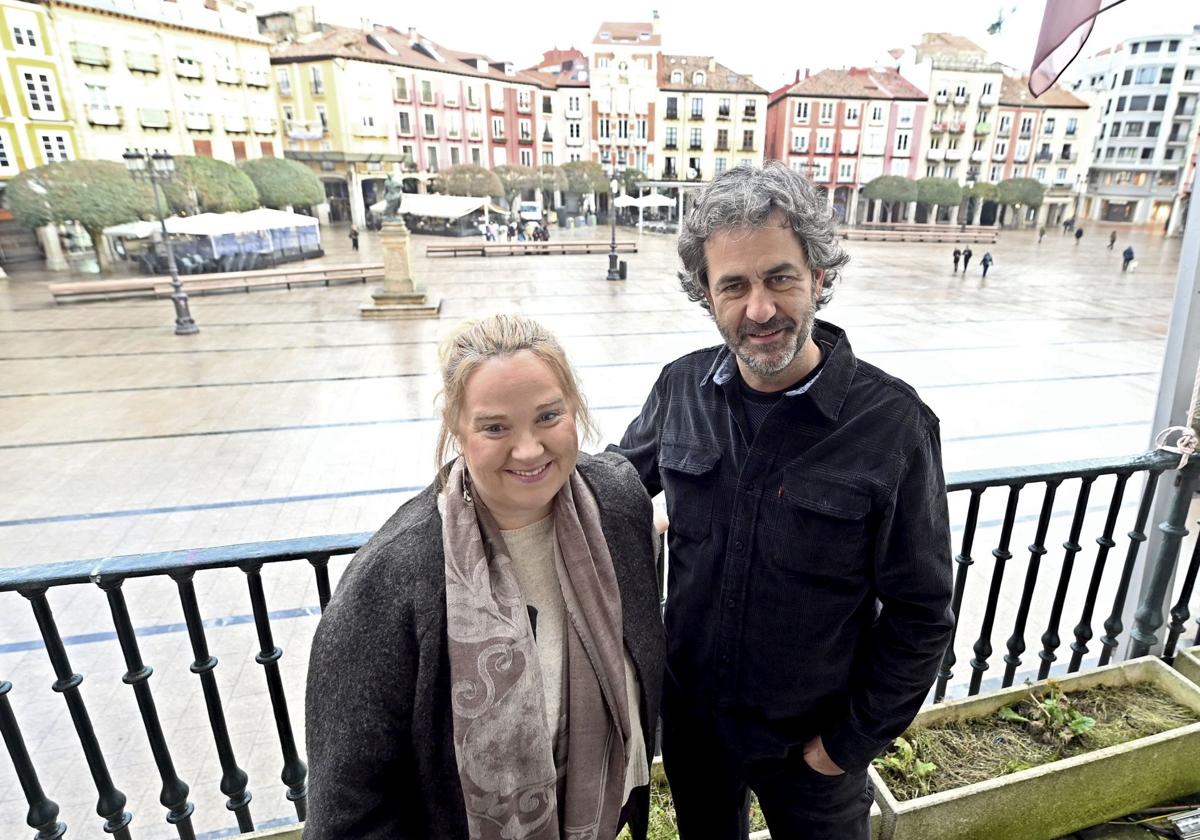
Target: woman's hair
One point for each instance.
(475, 342)
(747, 197)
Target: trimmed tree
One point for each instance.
(981, 191)
(1019, 193)
(551, 179)
(586, 176)
(468, 179)
(630, 179)
(515, 180)
(204, 185)
(94, 193)
(935, 192)
(282, 183)
(891, 190)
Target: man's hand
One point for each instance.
(819, 760)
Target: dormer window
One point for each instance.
(676, 77)
(697, 78)
(605, 36)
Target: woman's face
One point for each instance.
(518, 436)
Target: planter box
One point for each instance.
(1187, 662)
(1063, 796)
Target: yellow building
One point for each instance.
(191, 77)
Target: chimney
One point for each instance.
(806, 73)
(366, 25)
(712, 64)
(654, 22)
(797, 77)
(412, 34)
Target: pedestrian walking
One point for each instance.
(1078, 235)
(986, 262)
(354, 237)
(1041, 234)
(966, 258)
(1127, 255)
(957, 257)
(1112, 240)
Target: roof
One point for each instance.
(403, 51)
(1014, 91)
(717, 77)
(627, 34)
(948, 41)
(561, 68)
(439, 206)
(855, 83)
(555, 59)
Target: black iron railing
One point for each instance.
(109, 575)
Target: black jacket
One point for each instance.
(378, 719)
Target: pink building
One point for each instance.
(844, 128)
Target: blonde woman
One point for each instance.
(490, 665)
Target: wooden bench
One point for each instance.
(528, 249)
(943, 234)
(229, 281)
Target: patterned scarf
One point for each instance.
(516, 784)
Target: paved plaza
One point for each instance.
(290, 416)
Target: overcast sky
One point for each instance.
(763, 38)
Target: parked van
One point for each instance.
(530, 211)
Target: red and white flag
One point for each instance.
(1066, 25)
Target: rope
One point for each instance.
(1185, 445)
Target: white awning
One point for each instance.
(655, 200)
(439, 206)
(216, 224)
(626, 201)
(132, 230)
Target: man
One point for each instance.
(1126, 257)
(802, 487)
(967, 254)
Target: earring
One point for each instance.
(467, 488)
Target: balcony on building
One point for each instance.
(723, 112)
(227, 75)
(197, 121)
(91, 55)
(142, 62)
(257, 78)
(1025, 135)
(1068, 157)
(956, 127)
(941, 99)
(696, 175)
(988, 100)
(264, 125)
(285, 87)
(1043, 157)
(524, 107)
(997, 154)
(982, 129)
(186, 68)
(751, 112)
(317, 87)
(574, 141)
(235, 123)
(977, 156)
(954, 154)
(453, 132)
(1003, 131)
(671, 147)
(1020, 156)
(935, 154)
(525, 140)
(105, 115)
(962, 99)
(695, 147)
(155, 118)
(498, 137)
(937, 128)
(747, 147)
(672, 114)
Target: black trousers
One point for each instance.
(711, 783)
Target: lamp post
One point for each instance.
(614, 273)
(970, 199)
(158, 168)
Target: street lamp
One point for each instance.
(971, 177)
(159, 168)
(614, 273)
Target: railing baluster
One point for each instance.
(233, 777)
(1016, 642)
(1149, 615)
(983, 646)
(1083, 630)
(963, 562)
(295, 771)
(1180, 612)
(110, 803)
(43, 811)
(174, 793)
(320, 564)
(1113, 624)
(1050, 639)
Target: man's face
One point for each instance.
(764, 299)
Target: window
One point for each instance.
(289, 113)
(826, 112)
(573, 130)
(428, 125)
(498, 128)
(316, 80)
(1072, 126)
(1189, 74)
(849, 142)
(802, 111)
(525, 130)
(603, 126)
(697, 107)
(949, 170)
(1168, 73)
(1139, 103)
(1026, 125)
(1040, 174)
(523, 100)
(851, 113)
(573, 104)
(1060, 176)
(450, 95)
(547, 105)
(1005, 124)
(987, 89)
(55, 146)
(1160, 103)
(800, 141)
(1146, 75)
(821, 170)
(672, 107)
(404, 119)
(748, 140)
(283, 81)
(643, 128)
(1152, 129)
(1133, 129)
(1153, 46)
(622, 129)
(24, 28)
(496, 97)
(1127, 76)
(824, 142)
(472, 97)
(899, 167)
(1116, 130)
(697, 78)
(400, 88)
(477, 156)
(876, 113)
(994, 175)
(846, 171)
(1048, 125)
(39, 93)
(724, 106)
(720, 166)
(672, 137)
(694, 138)
(676, 77)
(324, 117)
(547, 158)
(526, 157)
(722, 138)
(1147, 153)
(602, 62)
(97, 97)
(902, 141)
(426, 92)
(1000, 150)
(1172, 46)
(453, 124)
(431, 158)
(5, 160)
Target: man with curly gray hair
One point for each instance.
(809, 584)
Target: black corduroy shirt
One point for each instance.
(809, 580)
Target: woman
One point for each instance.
(504, 620)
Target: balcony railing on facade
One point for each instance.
(977, 156)
(723, 113)
(111, 116)
(235, 124)
(935, 154)
(1004, 131)
(197, 121)
(962, 98)
(1043, 157)
(257, 78)
(750, 115)
(956, 127)
(154, 118)
(747, 147)
(226, 75)
(982, 129)
(1042, 601)
(988, 100)
(264, 125)
(1068, 157)
(941, 99)
(142, 62)
(954, 154)
(1025, 134)
(90, 55)
(188, 69)
(937, 128)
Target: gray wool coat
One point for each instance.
(378, 722)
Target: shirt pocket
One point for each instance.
(823, 527)
(689, 478)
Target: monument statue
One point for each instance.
(393, 194)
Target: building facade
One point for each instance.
(191, 77)
(710, 118)
(844, 128)
(624, 96)
(1148, 91)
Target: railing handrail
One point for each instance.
(1036, 473)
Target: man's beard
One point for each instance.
(772, 359)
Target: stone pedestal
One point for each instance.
(52, 246)
(398, 297)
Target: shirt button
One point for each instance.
(730, 603)
(725, 658)
(737, 546)
(750, 488)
